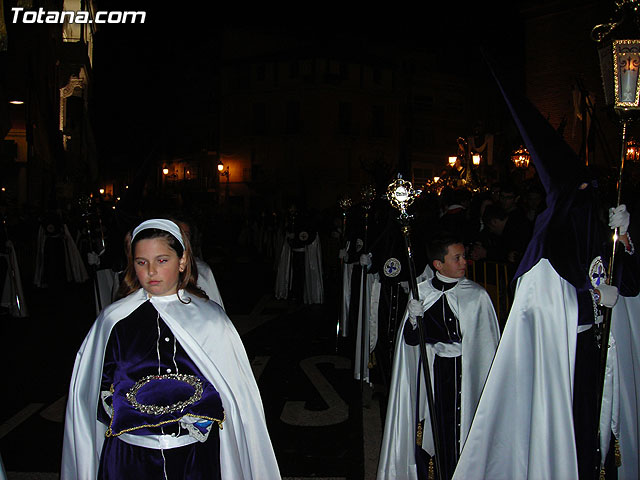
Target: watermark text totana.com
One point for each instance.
(20, 15)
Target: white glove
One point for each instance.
(342, 254)
(608, 295)
(365, 260)
(414, 307)
(93, 259)
(619, 217)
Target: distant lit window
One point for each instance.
(72, 32)
(79, 32)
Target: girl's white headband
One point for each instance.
(160, 224)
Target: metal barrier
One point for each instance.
(495, 278)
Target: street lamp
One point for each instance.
(521, 157)
(633, 150)
(224, 173)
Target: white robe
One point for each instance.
(367, 319)
(12, 293)
(523, 427)
(207, 282)
(74, 266)
(480, 335)
(106, 288)
(347, 273)
(625, 327)
(313, 283)
(211, 341)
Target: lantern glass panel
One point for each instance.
(627, 61)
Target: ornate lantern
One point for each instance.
(521, 157)
(619, 54)
(633, 151)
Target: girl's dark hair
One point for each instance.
(187, 280)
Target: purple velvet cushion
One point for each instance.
(161, 393)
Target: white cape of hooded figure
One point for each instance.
(626, 329)
(480, 335)
(211, 341)
(517, 434)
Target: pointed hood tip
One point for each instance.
(556, 163)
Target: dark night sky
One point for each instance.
(149, 78)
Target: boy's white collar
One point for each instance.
(447, 279)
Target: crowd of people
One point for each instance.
(359, 255)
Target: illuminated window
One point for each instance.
(79, 32)
(71, 32)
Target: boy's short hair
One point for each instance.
(438, 246)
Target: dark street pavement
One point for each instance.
(313, 405)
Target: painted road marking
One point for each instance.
(294, 412)
(19, 417)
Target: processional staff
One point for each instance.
(293, 213)
(93, 257)
(606, 322)
(401, 195)
(368, 196)
(341, 329)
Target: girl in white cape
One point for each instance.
(162, 386)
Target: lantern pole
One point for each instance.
(401, 194)
(606, 321)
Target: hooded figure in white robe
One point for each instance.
(538, 418)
